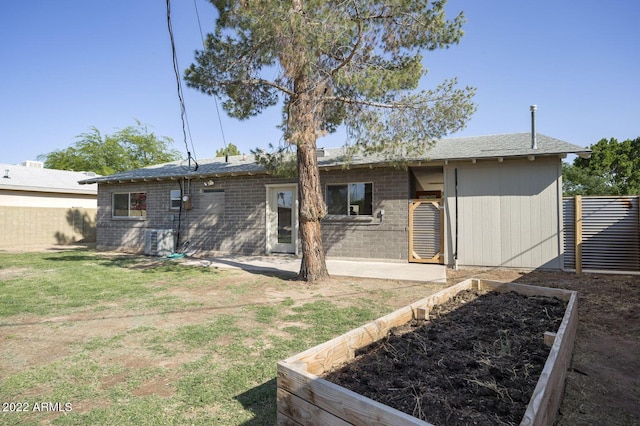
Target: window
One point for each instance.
(353, 199)
(176, 200)
(131, 204)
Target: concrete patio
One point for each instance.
(362, 268)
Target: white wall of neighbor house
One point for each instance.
(509, 213)
(47, 199)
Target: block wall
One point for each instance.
(240, 225)
(37, 226)
(378, 237)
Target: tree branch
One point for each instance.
(257, 82)
(385, 105)
(354, 49)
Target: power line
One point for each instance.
(215, 99)
(183, 111)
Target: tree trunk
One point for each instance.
(304, 119)
(303, 108)
(311, 210)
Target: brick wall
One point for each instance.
(33, 226)
(364, 237)
(239, 227)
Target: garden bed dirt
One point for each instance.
(476, 360)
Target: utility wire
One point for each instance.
(215, 99)
(183, 111)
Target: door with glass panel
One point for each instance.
(282, 219)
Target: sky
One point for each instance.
(68, 66)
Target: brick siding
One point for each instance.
(239, 227)
(382, 237)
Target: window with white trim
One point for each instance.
(129, 204)
(176, 200)
(351, 199)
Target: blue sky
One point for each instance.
(73, 64)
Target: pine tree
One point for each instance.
(356, 63)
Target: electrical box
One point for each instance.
(186, 202)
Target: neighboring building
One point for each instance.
(41, 206)
(477, 201)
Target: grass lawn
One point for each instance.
(98, 338)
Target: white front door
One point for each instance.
(282, 218)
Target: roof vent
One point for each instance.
(6, 174)
(534, 144)
(320, 152)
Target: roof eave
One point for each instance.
(561, 154)
(47, 190)
(172, 177)
(334, 166)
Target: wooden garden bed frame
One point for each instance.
(304, 398)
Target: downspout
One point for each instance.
(181, 184)
(455, 254)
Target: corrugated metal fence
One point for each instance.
(602, 233)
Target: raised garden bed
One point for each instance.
(307, 393)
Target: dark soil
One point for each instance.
(475, 361)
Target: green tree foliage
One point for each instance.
(613, 169)
(356, 63)
(230, 149)
(130, 148)
(360, 61)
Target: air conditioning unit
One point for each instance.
(159, 242)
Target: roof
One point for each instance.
(497, 146)
(23, 178)
(450, 149)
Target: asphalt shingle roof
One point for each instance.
(22, 178)
(451, 149)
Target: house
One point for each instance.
(476, 201)
(41, 206)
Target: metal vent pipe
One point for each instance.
(534, 144)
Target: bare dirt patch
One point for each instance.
(8, 273)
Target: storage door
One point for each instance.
(426, 233)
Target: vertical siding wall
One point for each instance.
(508, 213)
(241, 226)
(237, 228)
